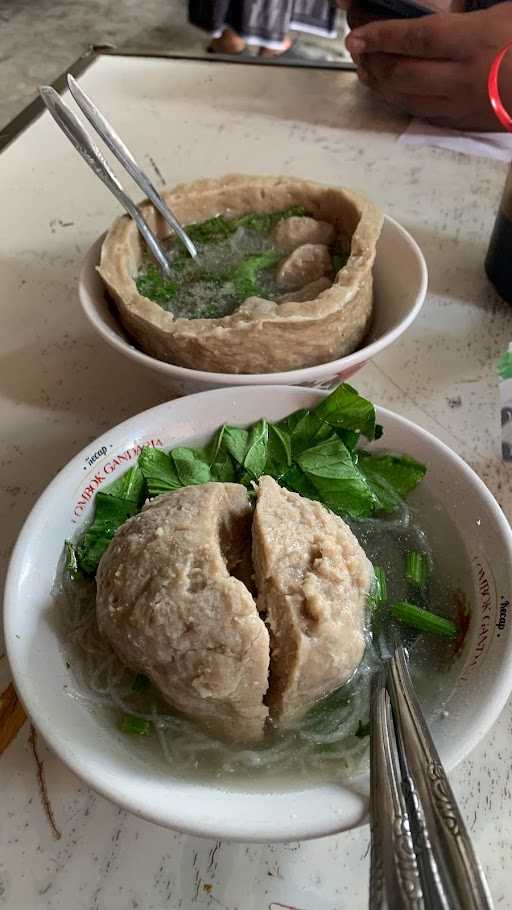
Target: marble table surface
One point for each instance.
(60, 387)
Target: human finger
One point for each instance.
(427, 107)
(444, 36)
(412, 76)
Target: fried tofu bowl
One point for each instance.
(196, 605)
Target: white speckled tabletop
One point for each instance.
(60, 387)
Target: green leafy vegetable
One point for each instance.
(423, 620)
(135, 726)
(288, 424)
(337, 480)
(211, 287)
(236, 441)
(257, 447)
(152, 284)
(178, 292)
(312, 452)
(246, 278)
(306, 429)
(129, 485)
(391, 477)
(216, 447)
(221, 464)
(110, 513)
(263, 222)
(279, 451)
(191, 466)
(346, 409)
(219, 228)
(113, 505)
(158, 471)
(416, 568)
(211, 230)
(223, 471)
(350, 439)
(296, 480)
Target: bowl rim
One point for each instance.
(168, 816)
(290, 377)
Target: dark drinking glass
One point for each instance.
(498, 262)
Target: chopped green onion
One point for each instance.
(416, 568)
(423, 620)
(380, 590)
(134, 725)
(70, 560)
(141, 683)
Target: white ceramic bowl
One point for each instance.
(100, 755)
(400, 276)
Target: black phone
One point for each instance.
(394, 9)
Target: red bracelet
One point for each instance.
(494, 91)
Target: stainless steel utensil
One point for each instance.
(77, 135)
(421, 855)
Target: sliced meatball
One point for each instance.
(313, 579)
(292, 232)
(171, 601)
(308, 292)
(304, 265)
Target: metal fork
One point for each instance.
(421, 854)
(75, 132)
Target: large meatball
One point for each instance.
(175, 600)
(171, 602)
(313, 579)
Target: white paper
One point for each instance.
(483, 145)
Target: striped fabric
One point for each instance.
(264, 22)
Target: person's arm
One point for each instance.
(437, 66)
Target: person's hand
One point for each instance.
(436, 66)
